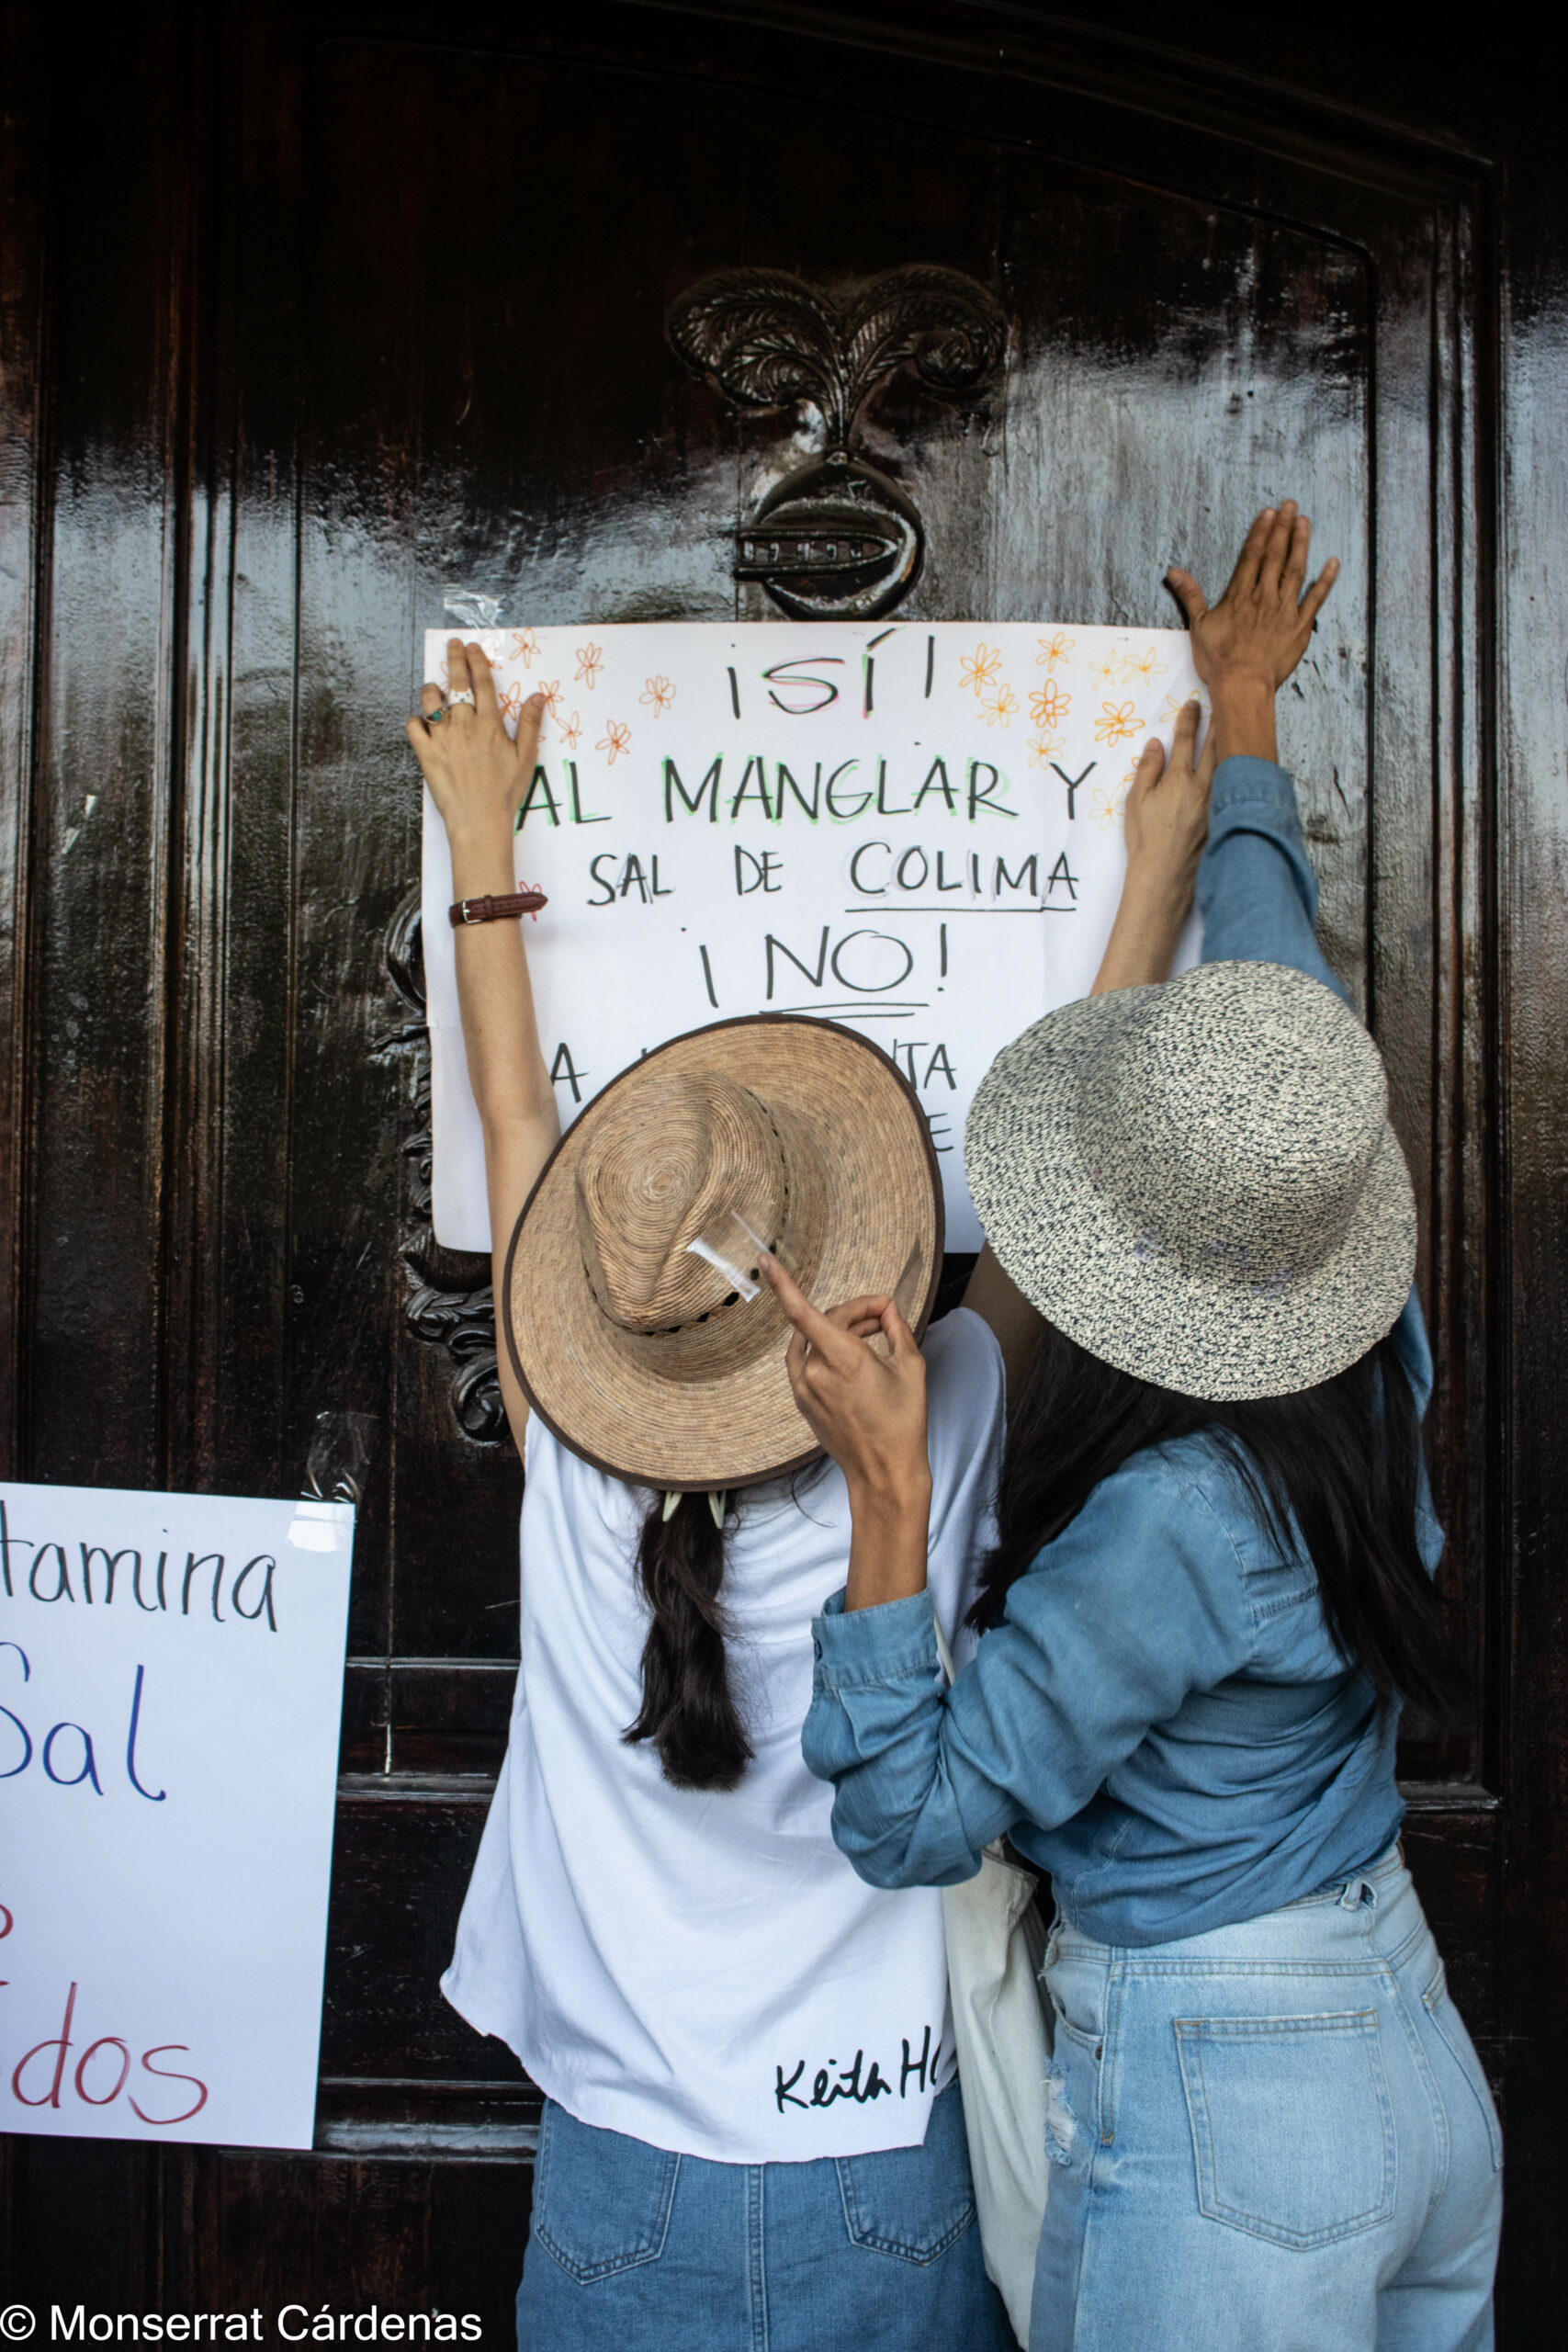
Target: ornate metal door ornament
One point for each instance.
(836, 539)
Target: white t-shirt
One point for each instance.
(702, 1969)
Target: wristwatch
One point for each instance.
(522, 902)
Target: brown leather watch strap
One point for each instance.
(523, 902)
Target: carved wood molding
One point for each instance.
(444, 1306)
(837, 539)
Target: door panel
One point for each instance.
(388, 317)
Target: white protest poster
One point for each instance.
(171, 1671)
(914, 830)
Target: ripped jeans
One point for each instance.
(1275, 2137)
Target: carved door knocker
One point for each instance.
(836, 539)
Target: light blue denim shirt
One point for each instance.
(1162, 1721)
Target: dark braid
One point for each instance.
(688, 1710)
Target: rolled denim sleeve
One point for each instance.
(1138, 1602)
(1257, 891)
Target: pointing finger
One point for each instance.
(833, 1342)
(794, 1362)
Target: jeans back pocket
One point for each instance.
(913, 2202)
(602, 2201)
(1292, 2131)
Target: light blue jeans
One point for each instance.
(633, 2249)
(1275, 2137)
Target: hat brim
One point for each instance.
(1075, 1258)
(600, 1388)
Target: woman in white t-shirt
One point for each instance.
(751, 2130)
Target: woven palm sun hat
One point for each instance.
(641, 1355)
(1199, 1182)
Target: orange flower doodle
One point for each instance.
(511, 699)
(1048, 705)
(659, 693)
(1110, 804)
(1053, 650)
(533, 912)
(590, 662)
(1043, 750)
(1145, 665)
(1117, 724)
(569, 730)
(1106, 673)
(522, 647)
(615, 740)
(979, 672)
(998, 711)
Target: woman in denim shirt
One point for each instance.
(1209, 1595)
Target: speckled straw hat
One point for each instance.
(639, 1356)
(1199, 1182)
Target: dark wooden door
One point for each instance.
(309, 317)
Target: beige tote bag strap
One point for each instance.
(943, 1651)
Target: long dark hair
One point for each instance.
(1341, 1460)
(688, 1708)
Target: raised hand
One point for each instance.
(1261, 625)
(1245, 647)
(1167, 809)
(866, 1408)
(477, 776)
(1166, 817)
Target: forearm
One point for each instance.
(506, 1066)
(1149, 916)
(876, 1729)
(888, 1543)
(506, 1069)
(1134, 1606)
